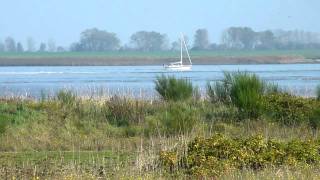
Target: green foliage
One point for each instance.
(171, 88)
(119, 111)
(243, 90)
(66, 97)
(246, 93)
(95, 40)
(123, 112)
(174, 118)
(179, 118)
(219, 92)
(315, 118)
(288, 109)
(318, 92)
(4, 122)
(149, 41)
(220, 154)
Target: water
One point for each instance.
(137, 81)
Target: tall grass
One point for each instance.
(171, 88)
(124, 136)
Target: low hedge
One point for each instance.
(288, 109)
(219, 154)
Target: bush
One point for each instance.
(171, 88)
(243, 90)
(121, 111)
(175, 118)
(219, 154)
(315, 119)
(288, 109)
(246, 94)
(318, 92)
(219, 92)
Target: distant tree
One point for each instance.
(201, 39)
(51, 45)
(19, 47)
(60, 49)
(126, 47)
(43, 47)
(10, 45)
(96, 40)
(214, 46)
(76, 47)
(31, 44)
(175, 46)
(2, 48)
(296, 39)
(266, 40)
(149, 41)
(239, 38)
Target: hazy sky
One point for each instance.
(63, 20)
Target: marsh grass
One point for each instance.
(70, 137)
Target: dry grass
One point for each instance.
(71, 138)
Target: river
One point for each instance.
(138, 81)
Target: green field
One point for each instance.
(309, 53)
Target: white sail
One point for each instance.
(179, 66)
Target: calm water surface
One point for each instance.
(139, 80)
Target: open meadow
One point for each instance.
(245, 128)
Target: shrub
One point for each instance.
(315, 119)
(243, 90)
(217, 155)
(175, 118)
(171, 88)
(246, 93)
(121, 111)
(318, 92)
(288, 109)
(218, 92)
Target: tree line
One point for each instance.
(10, 45)
(240, 38)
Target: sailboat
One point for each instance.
(179, 65)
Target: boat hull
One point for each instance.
(179, 68)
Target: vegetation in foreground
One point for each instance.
(246, 128)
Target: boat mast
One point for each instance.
(181, 48)
(185, 46)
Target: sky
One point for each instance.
(64, 20)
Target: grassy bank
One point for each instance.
(158, 58)
(307, 53)
(69, 137)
